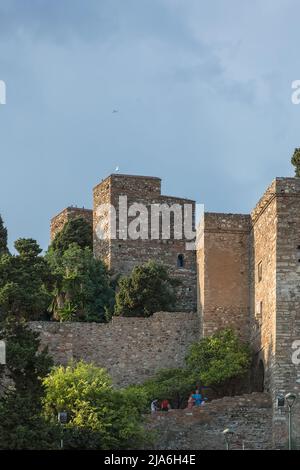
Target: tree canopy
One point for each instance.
(296, 161)
(146, 290)
(68, 282)
(219, 359)
(3, 238)
(219, 362)
(77, 231)
(81, 290)
(174, 385)
(21, 423)
(99, 416)
(24, 281)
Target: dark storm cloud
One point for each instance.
(202, 91)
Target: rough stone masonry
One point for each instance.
(245, 275)
(249, 417)
(131, 349)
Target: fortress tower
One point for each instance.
(223, 273)
(275, 294)
(123, 253)
(249, 279)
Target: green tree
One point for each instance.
(81, 289)
(99, 416)
(296, 161)
(21, 423)
(146, 290)
(23, 428)
(3, 238)
(174, 385)
(25, 363)
(219, 361)
(77, 231)
(24, 281)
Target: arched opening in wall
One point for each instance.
(180, 261)
(260, 378)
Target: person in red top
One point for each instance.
(165, 405)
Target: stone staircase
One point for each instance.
(248, 416)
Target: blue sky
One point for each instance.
(202, 89)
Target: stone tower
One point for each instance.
(121, 253)
(249, 279)
(223, 273)
(275, 294)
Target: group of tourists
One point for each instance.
(195, 399)
(163, 406)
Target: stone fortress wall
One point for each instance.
(250, 417)
(285, 324)
(131, 349)
(248, 278)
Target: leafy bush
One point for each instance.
(174, 385)
(3, 238)
(296, 161)
(81, 289)
(21, 423)
(100, 416)
(219, 360)
(148, 289)
(24, 280)
(77, 231)
(23, 427)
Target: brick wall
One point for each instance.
(131, 349)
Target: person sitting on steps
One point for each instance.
(197, 397)
(165, 405)
(191, 401)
